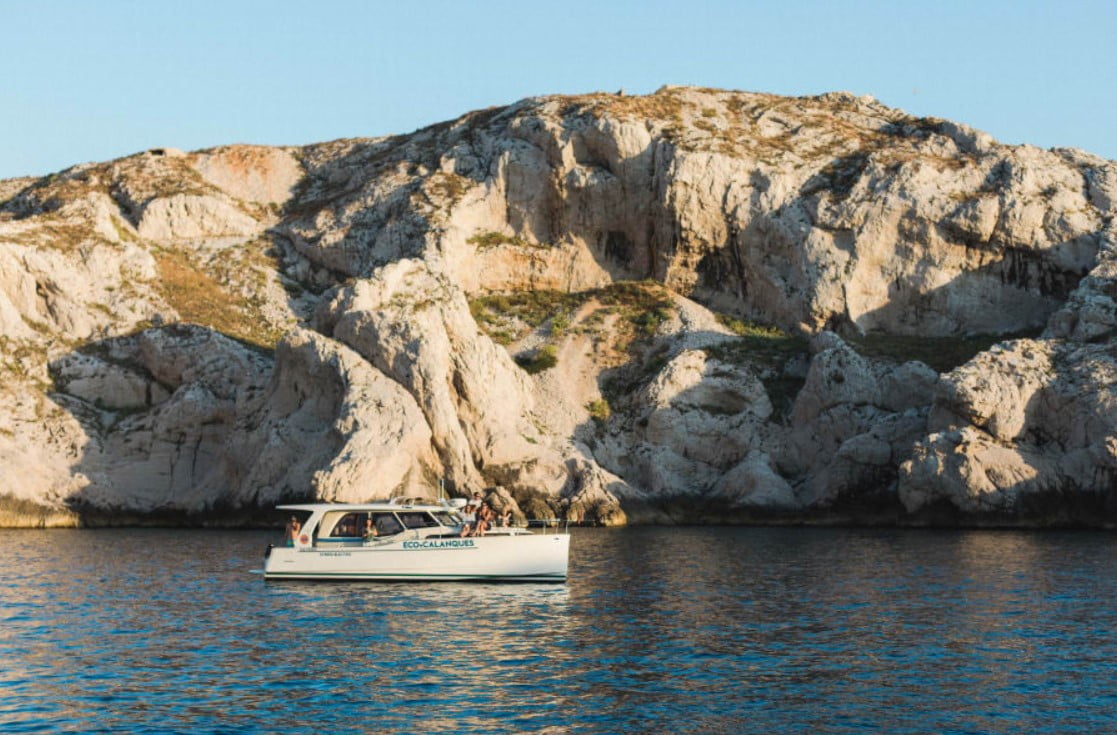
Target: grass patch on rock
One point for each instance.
(942, 354)
(744, 328)
(199, 298)
(599, 410)
(544, 359)
(491, 239)
(634, 312)
(24, 361)
(509, 317)
(770, 351)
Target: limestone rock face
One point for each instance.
(1025, 432)
(39, 444)
(694, 421)
(695, 305)
(164, 406)
(118, 387)
(907, 227)
(209, 421)
(335, 428)
(851, 423)
(251, 173)
(416, 327)
(78, 293)
(187, 217)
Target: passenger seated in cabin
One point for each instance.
(370, 528)
(347, 527)
(292, 531)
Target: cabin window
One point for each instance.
(417, 519)
(386, 524)
(349, 525)
(447, 519)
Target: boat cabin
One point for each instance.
(348, 524)
(360, 524)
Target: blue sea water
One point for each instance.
(704, 630)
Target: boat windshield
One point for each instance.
(386, 524)
(417, 519)
(447, 519)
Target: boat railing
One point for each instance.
(534, 524)
(545, 523)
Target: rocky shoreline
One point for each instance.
(696, 306)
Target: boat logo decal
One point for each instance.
(456, 543)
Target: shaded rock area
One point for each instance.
(695, 306)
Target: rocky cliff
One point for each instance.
(691, 306)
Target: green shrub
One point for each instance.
(545, 359)
(491, 239)
(600, 411)
(744, 328)
(559, 323)
(943, 354)
(647, 322)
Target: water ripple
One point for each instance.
(682, 630)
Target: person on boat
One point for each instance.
(292, 532)
(370, 528)
(473, 505)
(484, 520)
(469, 515)
(506, 517)
(468, 525)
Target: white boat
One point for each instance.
(412, 542)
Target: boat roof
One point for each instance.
(400, 504)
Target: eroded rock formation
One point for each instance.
(696, 305)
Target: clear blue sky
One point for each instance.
(90, 81)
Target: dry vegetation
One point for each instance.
(642, 307)
(204, 297)
(23, 361)
(842, 134)
(488, 239)
(943, 354)
(437, 194)
(619, 318)
(664, 105)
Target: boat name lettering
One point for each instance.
(336, 553)
(456, 543)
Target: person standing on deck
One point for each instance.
(292, 532)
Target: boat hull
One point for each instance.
(519, 558)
